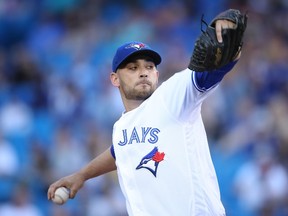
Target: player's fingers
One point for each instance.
(220, 25)
(232, 25)
(75, 188)
(53, 187)
(51, 191)
(73, 183)
(218, 29)
(73, 192)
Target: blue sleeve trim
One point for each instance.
(112, 151)
(205, 80)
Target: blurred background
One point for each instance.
(57, 106)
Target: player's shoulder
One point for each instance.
(180, 75)
(177, 84)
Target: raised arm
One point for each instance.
(207, 79)
(102, 164)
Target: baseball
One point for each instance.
(61, 196)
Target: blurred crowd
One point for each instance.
(57, 106)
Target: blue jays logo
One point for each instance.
(151, 161)
(137, 46)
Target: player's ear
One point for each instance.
(157, 73)
(114, 79)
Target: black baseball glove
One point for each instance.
(208, 53)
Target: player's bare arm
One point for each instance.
(102, 164)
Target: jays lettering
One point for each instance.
(139, 135)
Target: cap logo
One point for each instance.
(131, 48)
(137, 46)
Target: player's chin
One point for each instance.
(143, 88)
(144, 94)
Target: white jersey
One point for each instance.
(162, 154)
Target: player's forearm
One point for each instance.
(102, 164)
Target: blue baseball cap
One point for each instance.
(133, 48)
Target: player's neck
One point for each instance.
(132, 104)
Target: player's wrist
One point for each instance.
(83, 175)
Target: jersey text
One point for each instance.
(145, 134)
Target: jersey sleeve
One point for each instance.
(205, 80)
(185, 91)
(180, 96)
(112, 151)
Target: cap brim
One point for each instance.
(150, 53)
(155, 57)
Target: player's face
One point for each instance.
(137, 80)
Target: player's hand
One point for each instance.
(72, 182)
(223, 24)
(220, 43)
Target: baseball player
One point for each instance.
(160, 149)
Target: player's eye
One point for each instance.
(133, 68)
(150, 67)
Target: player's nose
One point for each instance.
(143, 72)
(143, 75)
